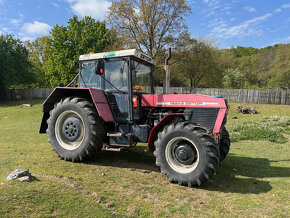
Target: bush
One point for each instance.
(269, 129)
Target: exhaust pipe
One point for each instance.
(166, 77)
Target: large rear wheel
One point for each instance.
(186, 154)
(75, 130)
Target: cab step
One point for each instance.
(120, 140)
(115, 134)
(115, 149)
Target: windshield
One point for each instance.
(88, 77)
(141, 76)
(117, 73)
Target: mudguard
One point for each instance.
(96, 96)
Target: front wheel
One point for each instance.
(225, 144)
(186, 154)
(75, 129)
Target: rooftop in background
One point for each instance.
(123, 53)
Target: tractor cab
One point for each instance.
(123, 75)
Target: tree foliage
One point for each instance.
(195, 63)
(148, 25)
(38, 59)
(14, 63)
(67, 43)
(263, 68)
(233, 79)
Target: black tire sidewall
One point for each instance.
(55, 114)
(200, 149)
(225, 144)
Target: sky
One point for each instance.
(255, 23)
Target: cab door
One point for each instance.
(117, 88)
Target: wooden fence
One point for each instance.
(233, 95)
(238, 95)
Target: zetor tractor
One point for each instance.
(113, 106)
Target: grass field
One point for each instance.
(254, 180)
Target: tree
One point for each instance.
(244, 51)
(233, 79)
(196, 62)
(148, 25)
(278, 75)
(14, 64)
(67, 43)
(38, 59)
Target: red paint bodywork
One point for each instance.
(187, 101)
(184, 101)
(101, 104)
(97, 96)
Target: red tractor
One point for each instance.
(113, 106)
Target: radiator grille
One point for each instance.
(206, 117)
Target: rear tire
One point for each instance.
(225, 144)
(186, 154)
(75, 130)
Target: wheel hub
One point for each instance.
(71, 129)
(184, 154)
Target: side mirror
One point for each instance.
(60, 84)
(100, 67)
(76, 64)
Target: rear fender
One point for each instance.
(96, 96)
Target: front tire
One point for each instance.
(75, 130)
(186, 154)
(225, 144)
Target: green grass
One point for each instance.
(267, 128)
(252, 181)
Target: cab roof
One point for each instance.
(123, 53)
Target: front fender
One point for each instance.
(156, 129)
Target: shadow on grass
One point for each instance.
(35, 179)
(135, 158)
(245, 175)
(12, 103)
(235, 175)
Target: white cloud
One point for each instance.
(23, 39)
(95, 8)
(36, 28)
(250, 9)
(15, 21)
(246, 28)
(278, 10)
(286, 40)
(286, 6)
(211, 3)
(4, 30)
(55, 5)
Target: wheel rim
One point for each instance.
(182, 155)
(69, 130)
